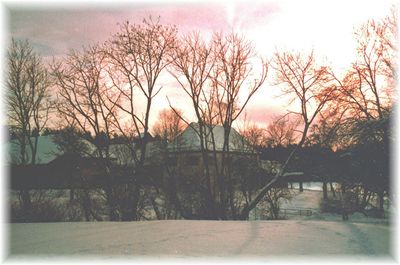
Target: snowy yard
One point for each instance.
(201, 239)
(321, 234)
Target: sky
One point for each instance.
(325, 26)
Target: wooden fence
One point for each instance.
(295, 211)
(261, 214)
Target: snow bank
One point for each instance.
(201, 239)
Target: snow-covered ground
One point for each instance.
(319, 235)
(201, 239)
(310, 199)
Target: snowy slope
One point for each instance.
(201, 239)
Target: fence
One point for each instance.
(262, 214)
(295, 211)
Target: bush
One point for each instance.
(331, 205)
(46, 206)
(335, 205)
(45, 211)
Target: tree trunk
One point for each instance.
(131, 205)
(156, 209)
(332, 190)
(325, 190)
(111, 203)
(86, 204)
(244, 215)
(364, 202)
(26, 202)
(71, 195)
(381, 204)
(344, 202)
(301, 186)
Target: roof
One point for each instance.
(47, 150)
(189, 140)
(122, 153)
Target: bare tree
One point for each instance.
(367, 88)
(366, 92)
(274, 198)
(28, 97)
(192, 64)
(85, 101)
(82, 94)
(246, 167)
(377, 51)
(213, 75)
(307, 83)
(232, 75)
(311, 87)
(137, 55)
(280, 132)
(28, 102)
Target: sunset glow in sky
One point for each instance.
(325, 26)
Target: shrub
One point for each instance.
(44, 211)
(331, 205)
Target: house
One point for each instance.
(53, 168)
(189, 140)
(47, 150)
(56, 168)
(185, 155)
(185, 150)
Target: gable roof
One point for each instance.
(189, 140)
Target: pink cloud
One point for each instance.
(55, 31)
(262, 115)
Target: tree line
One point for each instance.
(106, 91)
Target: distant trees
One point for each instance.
(254, 135)
(169, 124)
(281, 131)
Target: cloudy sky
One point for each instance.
(325, 26)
